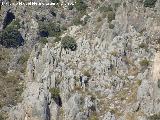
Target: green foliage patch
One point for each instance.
(80, 6)
(69, 43)
(10, 36)
(150, 3)
(54, 92)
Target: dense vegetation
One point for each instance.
(49, 29)
(10, 36)
(80, 6)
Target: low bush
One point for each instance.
(111, 26)
(69, 43)
(105, 9)
(116, 5)
(143, 45)
(109, 11)
(77, 21)
(81, 6)
(86, 73)
(114, 53)
(99, 19)
(139, 82)
(54, 92)
(154, 117)
(111, 16)
(55, 1)
(43, 40)
(52, 11)
(2, 117)
(23, 59)
(150, 3)
(57, 39)
(70, 7)
(144, 62)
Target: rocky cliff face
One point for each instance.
(113, 74)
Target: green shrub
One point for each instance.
(150, 3)
(3, 71)
(54, 92)
(77, 21)
(154, 117)
(70, 7)
(15, 24)
(86, 73)
(111, 16)
(114, 53)
(93, 116)
(55, 1)
(57, 39)
(139, 82)
(80, 6)
(4, 54)
(99, 19)
(2, 117)
(49, 29)
(111, 26)
(63, 28)
(144, 62)
(52, 11)
(124, 4)
(43, 40)
(69, 43)
(10, 36)
(23, 59)
(116, 5)
(110, 12)
(143, 45)
(105, 8)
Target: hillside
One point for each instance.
(94, 60)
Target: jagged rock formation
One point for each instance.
(119, 69)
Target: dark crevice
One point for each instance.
(8, 19)
(48, 115)
(44, 33)
(58, 101)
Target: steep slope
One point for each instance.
(117, 58)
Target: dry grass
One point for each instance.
(130, 116)
(133, 116)
(11, 89)
(10, 83)
(133, 96)
(133, 70)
